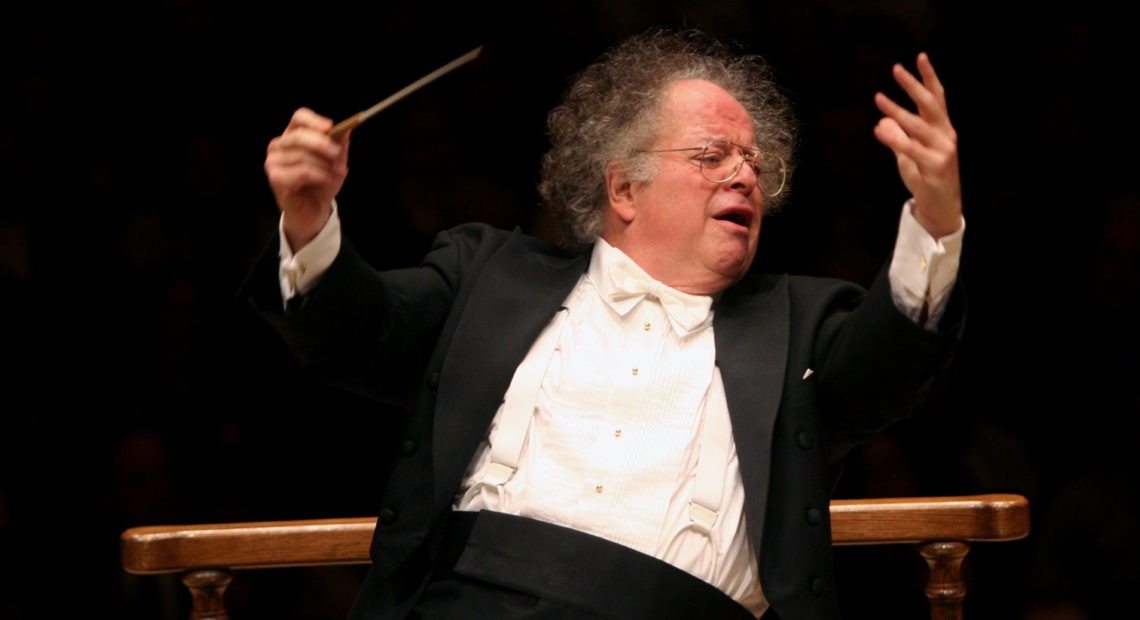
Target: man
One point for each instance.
(629, 425)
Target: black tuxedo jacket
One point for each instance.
(444, 339)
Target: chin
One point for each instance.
(734, 265)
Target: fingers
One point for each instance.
(930, 78)
(927, 136)
(890, 134)
(290, 169)
(304, 151)
(932, 120)
(925, 145)
(928, 94)
(308, 131)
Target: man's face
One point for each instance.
(684, 230)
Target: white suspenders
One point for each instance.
(519, 405)
(712, 464)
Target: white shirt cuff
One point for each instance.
(298, 273)
(923, 269)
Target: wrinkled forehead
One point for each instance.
(698, 111)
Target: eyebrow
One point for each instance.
(733, 142)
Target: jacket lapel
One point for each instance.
(751, 327)
(517, 294)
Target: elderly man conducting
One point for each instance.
(631, 423)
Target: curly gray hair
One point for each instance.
(611, 110)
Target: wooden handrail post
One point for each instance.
(208, 593)
(945, 588)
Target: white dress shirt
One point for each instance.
(613, 443)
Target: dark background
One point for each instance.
(138, 390)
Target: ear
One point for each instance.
(620, 191)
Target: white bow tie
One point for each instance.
(628, 285)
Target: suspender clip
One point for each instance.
(497, 473)
(703, 518)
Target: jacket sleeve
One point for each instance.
(366, 330)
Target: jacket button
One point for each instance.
(408, 447)
(805, 440)
(814, 516)
(387, 516)
(817, 586)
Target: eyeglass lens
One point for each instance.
(721, 162)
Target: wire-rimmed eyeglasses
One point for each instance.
(720, 161)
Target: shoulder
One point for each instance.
(473, 240)
(816, 286)
(795, 286)
(801, 298)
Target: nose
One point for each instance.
(745, 180)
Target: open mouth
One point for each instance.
(736, 215)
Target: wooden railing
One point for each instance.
(207, 555)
